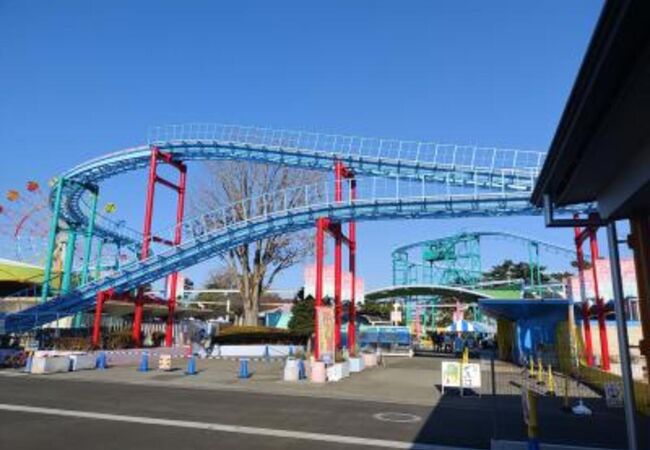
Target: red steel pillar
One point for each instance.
(336, 230)
(173, 278)
(147, 238)
(320, 254)
(101, 295)
(589, 354)
(600, 307)
(146, 242)
(338, 257)
(338, 307)
(352, 248)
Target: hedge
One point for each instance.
(258, 335)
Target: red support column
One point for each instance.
(338, 307)
(352, 313)
(146, 242)
(320, 254)
(98, 318)
(336, 230)
(589, 354)
(600, 307)
(173, 279)
(338, 257)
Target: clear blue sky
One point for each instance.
(81, 78)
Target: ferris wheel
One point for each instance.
(24, 223)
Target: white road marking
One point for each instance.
(397, 417)
(334, 438)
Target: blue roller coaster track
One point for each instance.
(396, 180)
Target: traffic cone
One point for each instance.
(101, 361)
(243, 368)
(144, 363)
(550, 383)
(191, 366)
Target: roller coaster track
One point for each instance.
(397, 180)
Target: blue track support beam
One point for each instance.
(88, 243)
(51, 240)
(98, 263)
(68, 261)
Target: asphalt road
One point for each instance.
(323, 419)
(112, 414)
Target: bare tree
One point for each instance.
(255, 189)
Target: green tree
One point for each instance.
(303, 313)
(250, 190)
(381, 310)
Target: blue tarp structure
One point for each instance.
(384, 335)
(535, 321)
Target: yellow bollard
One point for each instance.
(550, 382)
(531, 369)
(465, 356)
(540, 371)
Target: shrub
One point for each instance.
(158, 337)
(71, 343)
(257, 335)
(302, 318)
(119, 340)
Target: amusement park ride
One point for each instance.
(385, 179)
(456, 262)
(24, 220)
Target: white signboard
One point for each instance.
(455, 374)
(471, 375)
(614, 394)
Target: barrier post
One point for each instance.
(144, 363)
(191, 366)
(533, 426)
(243, 369)
(550, 381)
(540, 371)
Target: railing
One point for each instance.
(482, 158)
(318, 195)
(294, 208)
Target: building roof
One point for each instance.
(601, 148)
(19, 272)
(524, 308)
(462, 294)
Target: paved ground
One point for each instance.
(122, 408)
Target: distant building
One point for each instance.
(605, 284)
(328, 284)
